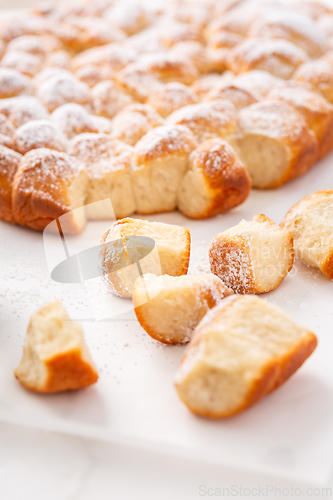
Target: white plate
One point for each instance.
(289, 433)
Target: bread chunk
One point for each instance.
(241, 351)
(55, 356)
(173, 245)
(253, 257)
(274, 143)
(161, 159)
(310, 222)
(169, 308)
(214, 182)
(47, 185)
(108, 163)
(9, 163)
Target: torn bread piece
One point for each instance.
(241, 351)
(274, 143)
(161, 159)
(170, 255)
(55, 356)
(310, 222)
(170, 307)
(215, 181)
(253, 257)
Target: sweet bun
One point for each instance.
(203, 85)
(207, 119)
(168, 67)
(278, 57)
(134, 121)
(175, 32)
(107, 99)
(318, 73)
(215, 181)
(170, 97)
(242, 350)
(39, 134)
(47, 185)
(55, 357)
(7, 141)
(58, 59)
(161, 159)
(169, 308)
(253, 257)
(9, 163)
(6, 126)
(195, 52)
(13, 83)
(138, 81)
(233, 92)
(274, 143)
(92, 74)
(258, 82)
(310, 222)
(38, 45)
(108, 163)
(22, 109)
(24, 62)
(317, 112)
(112, 55)
(173, 244)
(130, 17)
(60, 88)
(294, 27)
(73, 119)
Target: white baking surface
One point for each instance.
(288, 434)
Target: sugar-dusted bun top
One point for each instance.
(114, 56)
(170, 97)
(24, 62)
(163, 141)
(90, 148)
(170, 67)
(6, 126)
(108, 99)
(134, 121)
(39, 134)
(73, 119)
(48, 171)
(233, 92)
(258, 82)
(22, 109)
(129, 17)
(39, 45)
(275, 119)
(278, 57)
(138, 81)
(61, 87)
(13, 83)
(293, 26)
(207, 119)
(195, 52)
(218, 162)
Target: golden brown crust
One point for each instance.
(41, 188)
(239, 96)
(9, 163)
(66, 372)
(272, 375)
(317, 112)
(280, 121)
(225, 176)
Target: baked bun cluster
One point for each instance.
(165, 82)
